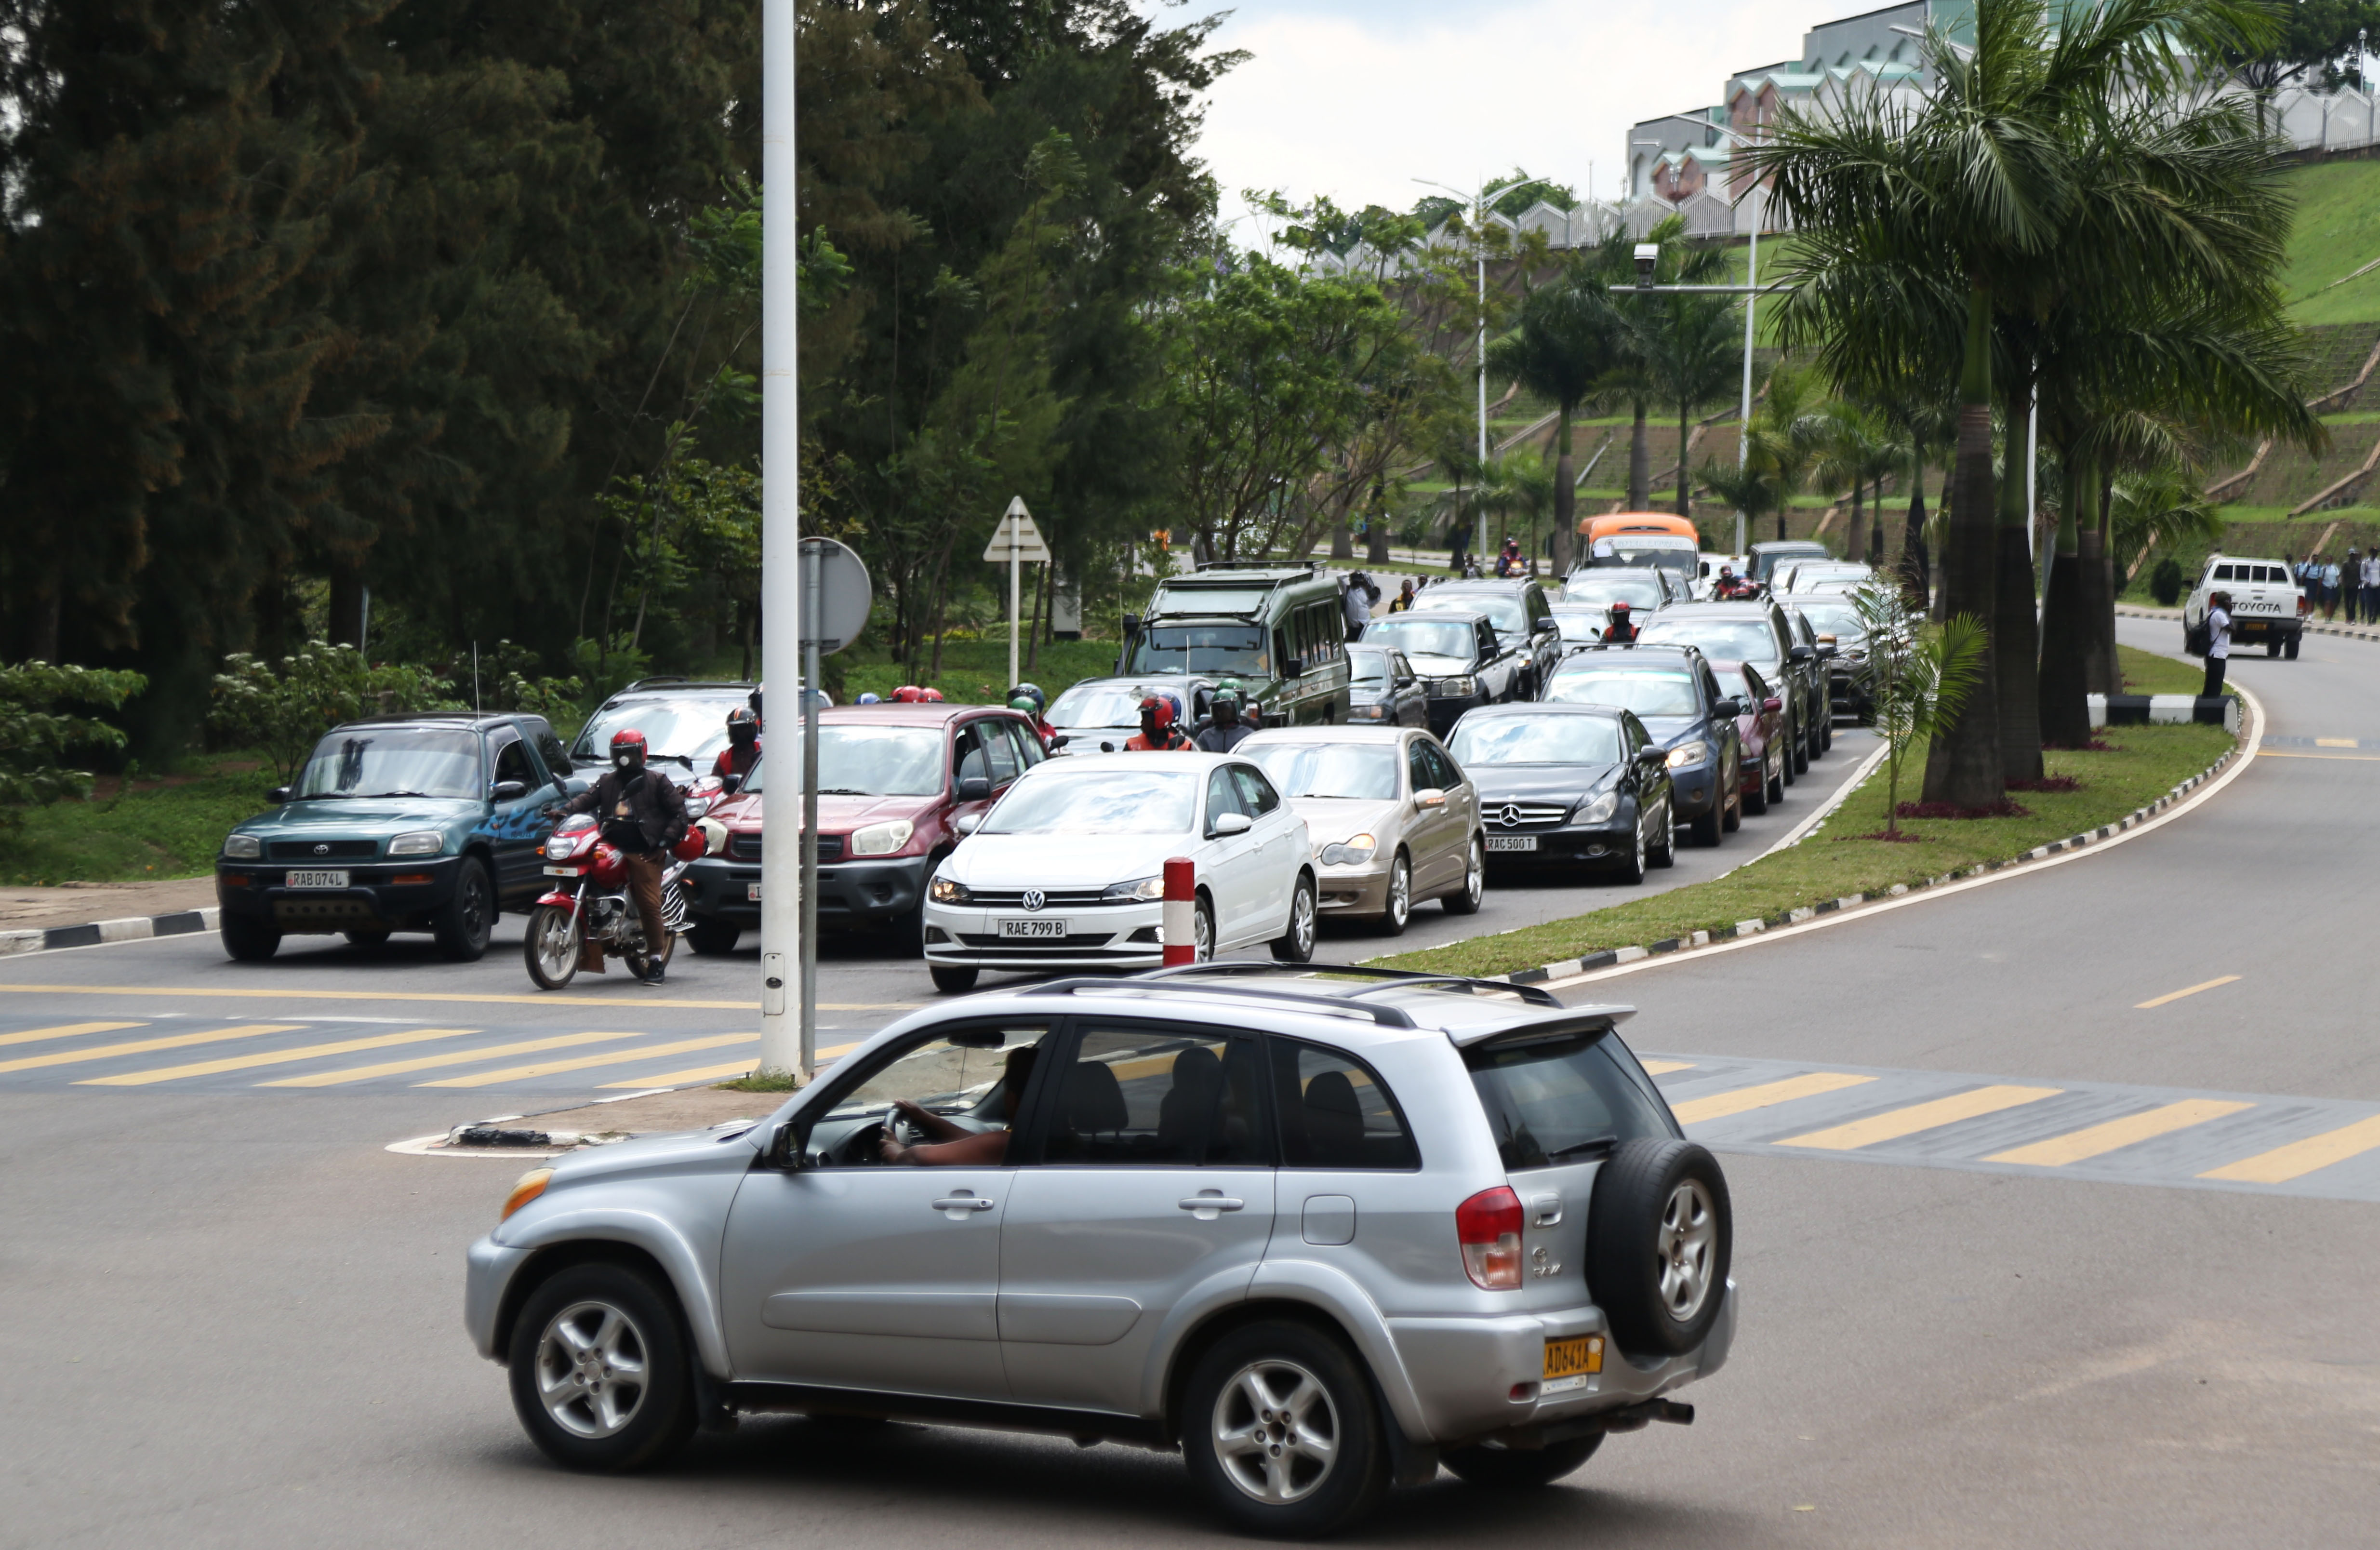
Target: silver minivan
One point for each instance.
(1321, 1230)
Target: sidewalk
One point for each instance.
(76, 903)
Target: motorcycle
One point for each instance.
(576, 923)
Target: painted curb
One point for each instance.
(1610, 956)
(91, 933)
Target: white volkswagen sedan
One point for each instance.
(1067, 870)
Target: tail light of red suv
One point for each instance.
(1488, 1227)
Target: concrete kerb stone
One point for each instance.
(92, 934)
(1568, 968)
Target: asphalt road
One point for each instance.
(236, 1315)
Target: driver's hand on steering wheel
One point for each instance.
(889, 1148)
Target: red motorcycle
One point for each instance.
(576, 922)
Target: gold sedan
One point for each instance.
(1393, 819)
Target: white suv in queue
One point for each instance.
(1067, 870)
(1321, 1230)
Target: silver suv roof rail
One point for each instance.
(1342, 1000)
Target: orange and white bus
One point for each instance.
(1613, 524)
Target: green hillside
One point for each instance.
(2337, 232)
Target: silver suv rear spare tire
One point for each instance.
(1281, 1432)
(1659, 1237)
(599, 1370)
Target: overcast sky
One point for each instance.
(1357, 98)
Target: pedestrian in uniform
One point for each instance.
(2330, 591)
(2218, 641)
(2350, 581)
(2371, 586)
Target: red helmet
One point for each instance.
(1158, 711)
(907, 694)
(630, 742)
(930, 696)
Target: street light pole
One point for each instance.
(1744, 425)
(1480, 251)
(783, 1051)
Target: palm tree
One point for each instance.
(1922, 224)
(1567, 346)
(1613, 262)
(1519, 484)
(1856, 450)
(1693, 349)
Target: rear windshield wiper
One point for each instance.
(1602, 1145)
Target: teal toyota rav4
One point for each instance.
(397, 822)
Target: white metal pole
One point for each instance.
(1013, 568)
(813, 609)
(1744, 426)
(781, 1044)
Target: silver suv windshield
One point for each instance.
(689, 727)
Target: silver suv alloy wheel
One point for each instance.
(1689, 1232)
(1276, 1431)
(591, 1369)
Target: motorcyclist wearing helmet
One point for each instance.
(907, 694)
(1622, 628)
(1732, 586)
(1158, 733)
(871, 698)
(643, 812)
(930, 695)
(743, 750)
(1024, 704)
(1227, 731)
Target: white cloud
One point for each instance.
(1356, 100)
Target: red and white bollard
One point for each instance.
(1180, 929)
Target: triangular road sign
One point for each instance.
(1016, 537)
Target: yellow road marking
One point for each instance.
(274, 1058)
(711, 1073)
(522, 1073)
(2096, 1140)
(2178, 995)
(66, 1030)
(1718, 1105)
(2300, 1157)
(2337, 742)
(1663, 1067)
(1893, 1124)
(144, 1046)
(558, 998)
(445, 1058)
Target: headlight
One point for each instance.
(1374, 711)
(879, 840)
(1598, 811)
(532, 1184)
(424, 842)
(1349, 852)
(1459, 688)
(242, 847)
(1138, 889)
(696, 807)
(560, 847)
(1688, 753)
(942, 890)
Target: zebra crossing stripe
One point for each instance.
(1893, 1124)
(2097, 1140)
(2284, 1164)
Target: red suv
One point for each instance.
(892, 781)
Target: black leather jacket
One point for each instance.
(642, 811)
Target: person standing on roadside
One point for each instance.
(2351, 583)
(2330, 590)
(2218, 641)
(2371, 586)
(1357, 600)
(1402, 602)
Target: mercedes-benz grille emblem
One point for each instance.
(322, 850)
(1035, 898)
(1510, 817)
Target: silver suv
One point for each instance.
(1322, 1229)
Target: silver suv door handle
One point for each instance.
(1211, 1203)
(963, 1202)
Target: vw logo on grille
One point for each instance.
(322, 850)
(1510, 817)
(1034, 899)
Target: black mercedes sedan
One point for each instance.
(1577, 787)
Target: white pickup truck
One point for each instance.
(2267, 605)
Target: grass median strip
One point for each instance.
(1839, 860)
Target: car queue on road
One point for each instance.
(1484, 728)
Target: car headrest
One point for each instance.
(1334, 1123)
(1094, 1099)
(1182, 1117)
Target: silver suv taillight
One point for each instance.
(1488, 1227)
